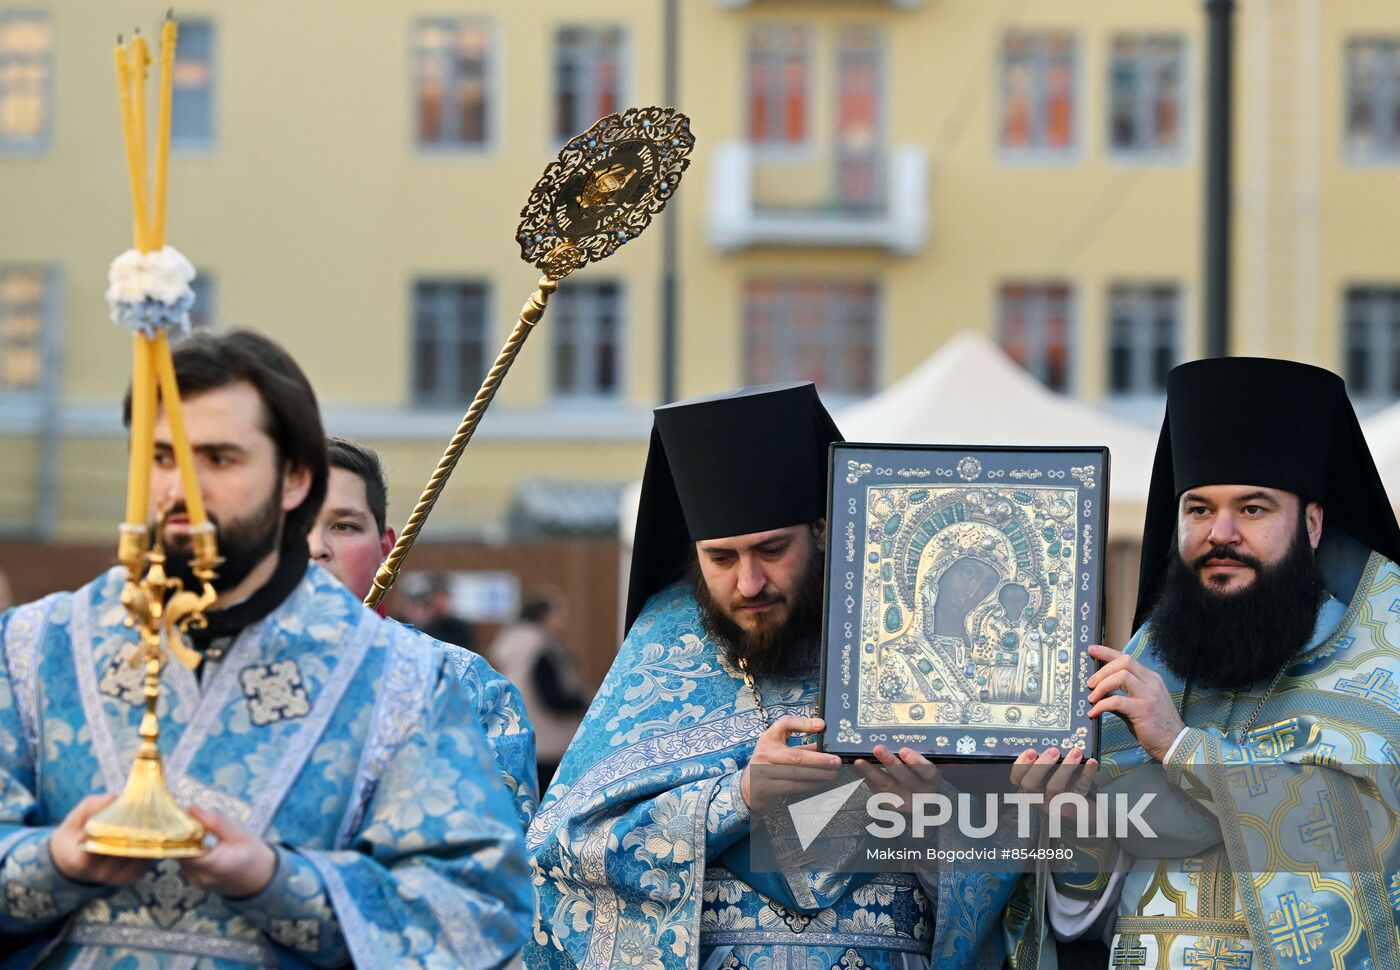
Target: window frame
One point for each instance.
(625, 72)
(1385, 385)
(880, 142)
(1072, 327)
(1387, 157)
(1181, 153)
(43, 142)
(48, 340)
(189, 145)
(617, 393)
(442, 400)
(1036, 155)
(494, 117)
(786, 290)
(805, 148)
(1141, 292)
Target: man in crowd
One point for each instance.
(1262, 679)
(530, 653)
(640, 845)
(351, 539)
(334, 757)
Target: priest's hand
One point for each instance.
(902, 775)
(1043, 773)
(78, 864)
(1145, 703)
(238, 866)
(795, 769)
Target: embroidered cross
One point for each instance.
(1376, 687)
(1254, 768)
(1323, 755)
(165, 894)
(1276, 738)
(1296, 930)
(1193, 867)
(1391, 755)
(275, 692)
(1126, 956)
(1395, 891)
(1321, 827)
(1219, 955)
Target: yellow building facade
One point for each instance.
(870, 177)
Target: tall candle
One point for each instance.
(141, 61)
(143, 399)
(168, 35)
(179, 439)
(136, 174)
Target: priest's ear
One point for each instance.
(819, 534)
(1312, 518)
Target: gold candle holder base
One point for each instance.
(145, 822)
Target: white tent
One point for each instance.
(970, 393)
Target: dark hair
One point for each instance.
(364, 464)
(208, 360)
(537, 604)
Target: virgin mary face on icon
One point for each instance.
(963, 585)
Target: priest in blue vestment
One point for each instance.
(1259, 690)
(336, 758)
(640, 846)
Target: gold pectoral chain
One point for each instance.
(1258, 708)
(753, 689)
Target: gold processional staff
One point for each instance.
(599, 194)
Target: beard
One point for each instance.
(243, 544)
(785, 646)
(1231, 640)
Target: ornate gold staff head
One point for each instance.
(604, 188)
(600, 193)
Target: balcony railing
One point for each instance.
(867, 199)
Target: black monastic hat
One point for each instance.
(1274, 423)
(729, 464)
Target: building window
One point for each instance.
(452, 68)
(1034, 330)
(1373, 341)
(1143, 327)
(586, 320)
(1145, 98)
(449, 341)
(588, 77)
(26, 81)
(779, 69)
(1373, 99)
(192, 98)
(1038, 93)
(202, 314)
(811, 330)
(859, 118)
(24, 311)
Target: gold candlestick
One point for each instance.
(144, 822)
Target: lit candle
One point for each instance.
(143, 403)
(141, 61)
(168, 34)
(137, 176)
(179, 440)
